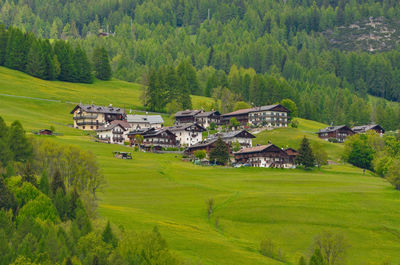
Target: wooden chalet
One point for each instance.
(45, 132)
(269, 156)
(155, 139)
(206, 145)
(338, 133)
(92, 117)
(186, 116)
(292, 155)
(208, 117)
(365, 128)
(241, 116)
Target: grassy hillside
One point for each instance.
(289, 206)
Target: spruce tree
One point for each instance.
(83, 72)
(220, 153)
(101, 64)
(36, 64)
(302, 261)
(184, 93)
(29, 174)
(57, 183)
(317, 258)
(15, 53)
(7, 198)
(51, 71)
(64, 53)
(108, 235)
(305, 157)
(44, 185)
(171, 81)
(20, 146)
(3, 43)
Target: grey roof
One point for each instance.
(99, 109)
(186, 113)
(364, 128)
(111, 126)
(204, 143)
(149, 132)
(229, 134)
(152, 119)
(207, 113)
(332, 129)
(182, 127)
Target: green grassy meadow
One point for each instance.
(288, 206)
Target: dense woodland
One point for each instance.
(262, 51)
(48, 208)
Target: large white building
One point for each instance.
(271, 116)
(188, 134)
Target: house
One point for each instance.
(206, 145)
(207, 117)
(188, 134)
(338, 133)
(243, 137)
(271, 116)
(241, 116)
(186, 116)
(364, 128)
(45, 132)
(92, 117)
(292, 155)
(113, 133)
(269, 156)
(153, 138)
(145, 121)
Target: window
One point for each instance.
(91, 127)
(83, 127)
(97, 127)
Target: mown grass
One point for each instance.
(288, 206)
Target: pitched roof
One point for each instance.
(332, 128)
(152, 119)
(231, 134)
(124, 124)
(364, 128)
(109, 127)
(204, 143)
(255, 109)
(291, 151)
(99, 109)
(255, 149)
(186, 113)
(237, 112)
(208, 113)
(182, 127)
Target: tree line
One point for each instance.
(46, 216)
(58, 61)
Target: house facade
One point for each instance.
(138, 122)
(188, 134)
(207, 117)
(155, 139)
(112, 133)
(92, 117)
(243, 137)
(186, 116)
(335, 132)
(271, 116)
(371, 127)
(268, 156)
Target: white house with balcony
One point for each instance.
(270, 116)
(114, 133)
(188, 134)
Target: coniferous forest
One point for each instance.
(258, 51)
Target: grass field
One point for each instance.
(288, 206)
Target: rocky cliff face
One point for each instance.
(371, 35)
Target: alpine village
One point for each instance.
(200, 132)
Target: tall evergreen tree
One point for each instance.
(51, 71)
(57, 183)
(101, 64)
(18, 46)
(305, 157)
(20, 146)
(220, 153)
(317, 258)
(184, 93)
(83, 72)
(36, 64)
(108, 235)
(64, 53)
(3, 43)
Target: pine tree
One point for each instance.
(317, 258)
(17, 49)
(57, 183)
(220, 153)
(51, 71)
(171, 81)
(101, 64)
(44, 185)
(184, 93)
(3, 43)
(36, 64)
(305, 157)
(7, 198)
(83, 72)
(20, 147)
(108, 235)
(29, 174)
(64, 53)
(302, 261)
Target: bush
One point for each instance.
(333, 140)
(294, 124)
(268, 249)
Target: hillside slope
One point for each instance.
(290, 207)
